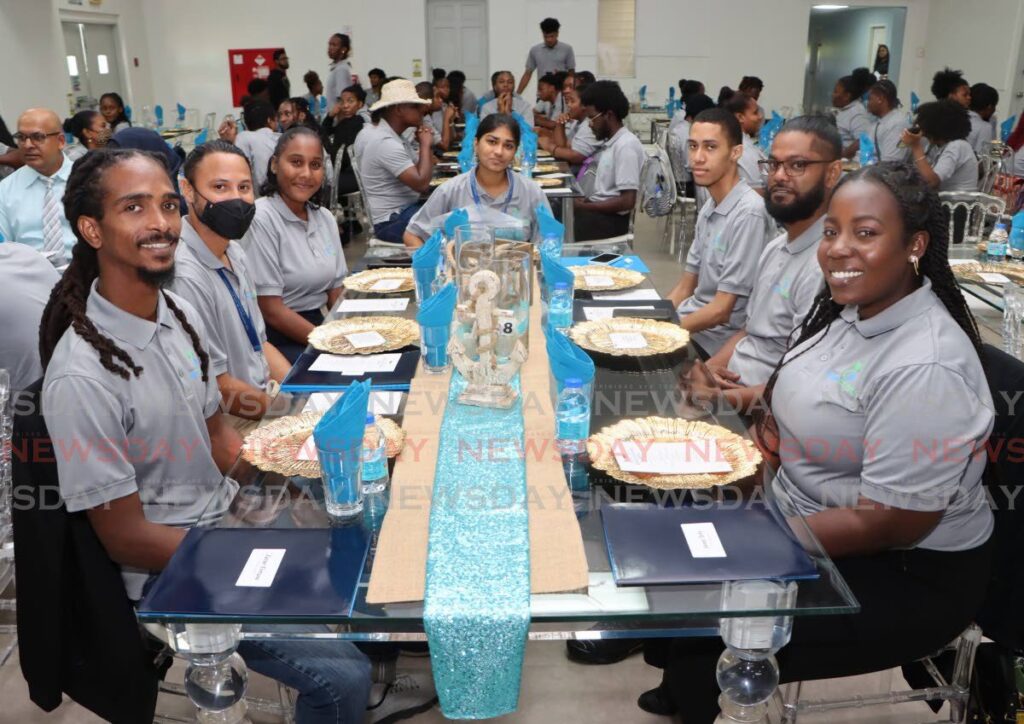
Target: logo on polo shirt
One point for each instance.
(194, 372)
(846, 378)
(783, 286)
(717, 244)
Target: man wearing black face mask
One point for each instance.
(801, 171)
(211, 273)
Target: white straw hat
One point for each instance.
(396, 92)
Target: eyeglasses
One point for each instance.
(595, 115)
(37, 138)
(794, 168)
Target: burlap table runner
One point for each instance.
(557, 560)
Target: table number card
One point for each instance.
(596, 280)
(386, 285)
(374, 305)
(352, 366)
(683, 457)
(628, 340)
(993, 278)
(362, 340)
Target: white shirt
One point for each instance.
(981, 134)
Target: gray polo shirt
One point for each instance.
(982, 133)
(584, 141)
(888, 134)
(383, 156)
(197, 279)
(727, 244)
(339, 77)
(956, 166)
(853, 120)
(788, 279)
(26, 280)
(748, 168)
(1018, 162)
(258, 147)
(890, 408)
(299, 261)
(113, 437)
(519, 105)
(618, 166)
(550, 60)
(457, 193)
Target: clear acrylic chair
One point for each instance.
(956, 690)
(8, 632)
(980, 213)
(373, 242)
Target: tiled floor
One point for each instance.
(553, 690)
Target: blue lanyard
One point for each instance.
(250, 328)
(476, 192)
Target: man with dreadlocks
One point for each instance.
(880, 412)
(132, 408)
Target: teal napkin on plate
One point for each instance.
(428, 256)
(345, 422)
(555, 271)
(567, 359)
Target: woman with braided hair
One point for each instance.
(879, 413)
(133, 409)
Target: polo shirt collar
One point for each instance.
(731, 199)
(282, 209)
(618, 134)
(850, 105)
(812, 235)
(914, 304)
(62, 173)
(198, 247)
(136, 331)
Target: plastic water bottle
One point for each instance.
(1017, 237)
(560, 307)
(997, 242)
(375, 458)
(572, 428)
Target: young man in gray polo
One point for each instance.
(132, 408)
(551, 56)
(802, 169)
(732, 226)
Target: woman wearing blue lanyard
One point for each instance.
(491, 184)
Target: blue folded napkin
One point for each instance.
(345, 422)
(466, 152)
(181, 113)
(437, 310)
(550, 228)
(914, 102)
(201, 137)
(523, 125)
(529, 143)
(555, 271)
(567, 359)
(867, 154)
(671, 92)
(457, 218)
(428, 256)
(1006, 128)
(159, 113)
(128, 112)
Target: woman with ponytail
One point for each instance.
(878, 418)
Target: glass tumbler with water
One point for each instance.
(375, 458)
(572, 428)
(1013, 312)
(560, 307)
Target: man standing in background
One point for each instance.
(551, 56)
(339, 47)
(280, 86)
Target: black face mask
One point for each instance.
(229, 218)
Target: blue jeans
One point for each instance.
(394, 227)
(332, 677)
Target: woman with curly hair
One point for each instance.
(950, 163)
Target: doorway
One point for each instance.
(92, 62)
(457, 39)
(840, 40)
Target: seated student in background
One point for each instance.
(258, 141)
(392, 176)
(803, 167)
(112, 108)
(315, 87)
(951, 85)
(552, 102)
(721, 266)
(461, 96)
(950, 163)
(888, 134)
(852, 119)
(26, 279)
(984, 99)
(572, 139)
(679, 135)
(212, 274)
(127, 367)
(295, 112)
(377, 77)
(293, 247)
(90, 129)
(750, 117)
(612, 195)
(340, 128)
(442, 114)
(887, 364)
(752, 86)
(258, 91)
(491, 184)
(425, 90)
(506, 100)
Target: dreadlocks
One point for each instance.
(920, 210)
(67, 304)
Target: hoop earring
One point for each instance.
(913, 260)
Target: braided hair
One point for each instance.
(920, 210)
(67, 304)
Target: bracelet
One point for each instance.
(919, 159)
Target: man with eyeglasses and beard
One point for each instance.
(801, 171)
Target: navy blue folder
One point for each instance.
(647, 547)
(317, 577)
(300, 379)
